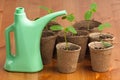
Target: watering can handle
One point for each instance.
(7, 36)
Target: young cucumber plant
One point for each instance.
(65, 30)
(71, 29)
(102, 27)
(89, 13)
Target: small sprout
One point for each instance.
(106, 44)
(69, 17)
(93, 8)
(89, 13)
(65, 30)
(104, 25)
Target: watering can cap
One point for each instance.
(19, 10)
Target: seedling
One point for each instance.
(65, 30)
(71, 29)
(102, 27)
(89, 13)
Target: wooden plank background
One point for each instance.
(108, 11)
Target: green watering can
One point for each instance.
(27, 39)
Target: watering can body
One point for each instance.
(27, 39)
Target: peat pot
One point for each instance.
(47, 46)
(67, 59)
(100, 57)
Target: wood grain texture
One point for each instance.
(108, 11)
(84, 71)
(1, 28)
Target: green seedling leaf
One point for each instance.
(47, 9)
(107, 25)
(71, 29)
(106, 44)
(88, 15)
(56, 28)
(93, 7)
(102, 26)
(69, 17)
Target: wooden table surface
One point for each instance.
(84, 71)
(108, 11)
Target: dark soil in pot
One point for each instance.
(47, 46)
(96, 36)
(101, 36)
(100, 56)
(67, 59)
(83, 25)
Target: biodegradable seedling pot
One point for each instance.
(47, 46)
(100, 56)
(47, 28)
(81, 39)
(67, 59)
(101, 36)
(98, 36)
(83, 25)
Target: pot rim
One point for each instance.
(97, 33)
(51, 36)
(69, 43)
(91, 43)
(91, 20)
(86, 35)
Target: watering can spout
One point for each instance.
(45, 19)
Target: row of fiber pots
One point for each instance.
(70, 44)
